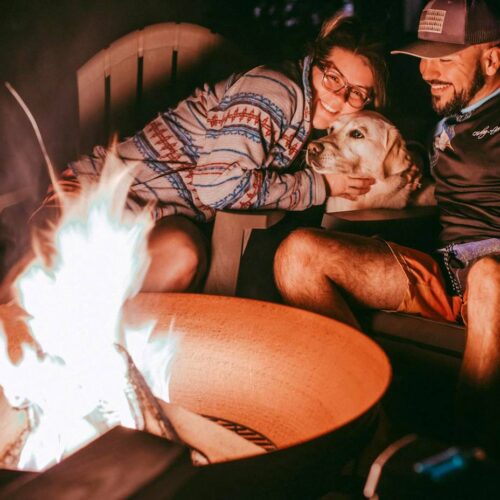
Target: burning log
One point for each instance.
(14, 431)
(14, 423)
(74, 376)
(147, 411)
(208, 441)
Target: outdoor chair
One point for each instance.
(140, 74)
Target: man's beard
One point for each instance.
(461, 99)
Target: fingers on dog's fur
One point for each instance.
(425, 195)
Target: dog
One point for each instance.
(366, 144)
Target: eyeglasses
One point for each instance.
(334, 81)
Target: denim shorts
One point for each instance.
(459, 257)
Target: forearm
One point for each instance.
(236, 188)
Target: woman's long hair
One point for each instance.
(350, 33)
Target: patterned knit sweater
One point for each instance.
(229, 145)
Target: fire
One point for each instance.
(72, 378)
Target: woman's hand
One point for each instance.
(347, 186)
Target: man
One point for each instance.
(315, 270)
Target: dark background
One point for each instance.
(44, 42)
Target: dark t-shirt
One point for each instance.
(467, 173)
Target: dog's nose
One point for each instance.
(315, 148)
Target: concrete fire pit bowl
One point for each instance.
(308, 384)
(302, 386)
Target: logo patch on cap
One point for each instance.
(432, 21)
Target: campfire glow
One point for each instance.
(286, 380)
(72, 379)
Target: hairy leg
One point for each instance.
(478, 396)
(178, 252)
(315, 269)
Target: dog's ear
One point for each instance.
(397, 158)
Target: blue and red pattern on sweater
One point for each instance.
(226, 146)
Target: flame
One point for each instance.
(72, 379)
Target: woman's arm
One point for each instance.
(252, 136)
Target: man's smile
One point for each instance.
(438, 88)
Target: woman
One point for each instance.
(232, 146)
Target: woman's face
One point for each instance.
(355, 71)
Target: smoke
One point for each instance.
(42, 44)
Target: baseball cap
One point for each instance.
(447, 26)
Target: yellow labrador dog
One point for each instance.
(366, 144)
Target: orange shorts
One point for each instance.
(426, 294)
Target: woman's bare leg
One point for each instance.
(178, 252)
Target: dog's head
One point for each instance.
(363, 143)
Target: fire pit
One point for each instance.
(307, 383)
(303, 386)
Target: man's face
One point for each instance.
(455, 80)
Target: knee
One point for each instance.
(177, 264)
(297, 248)
(483, 306)
(190, 265)
(485, 274)
(294, 254)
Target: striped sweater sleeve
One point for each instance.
(250, 139)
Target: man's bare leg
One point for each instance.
(178, 252)
(478, 396)
(314, 269)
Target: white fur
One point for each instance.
(365, 144)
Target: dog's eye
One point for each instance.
(356, 134)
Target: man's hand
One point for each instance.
(412, 177)
(347, 186)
